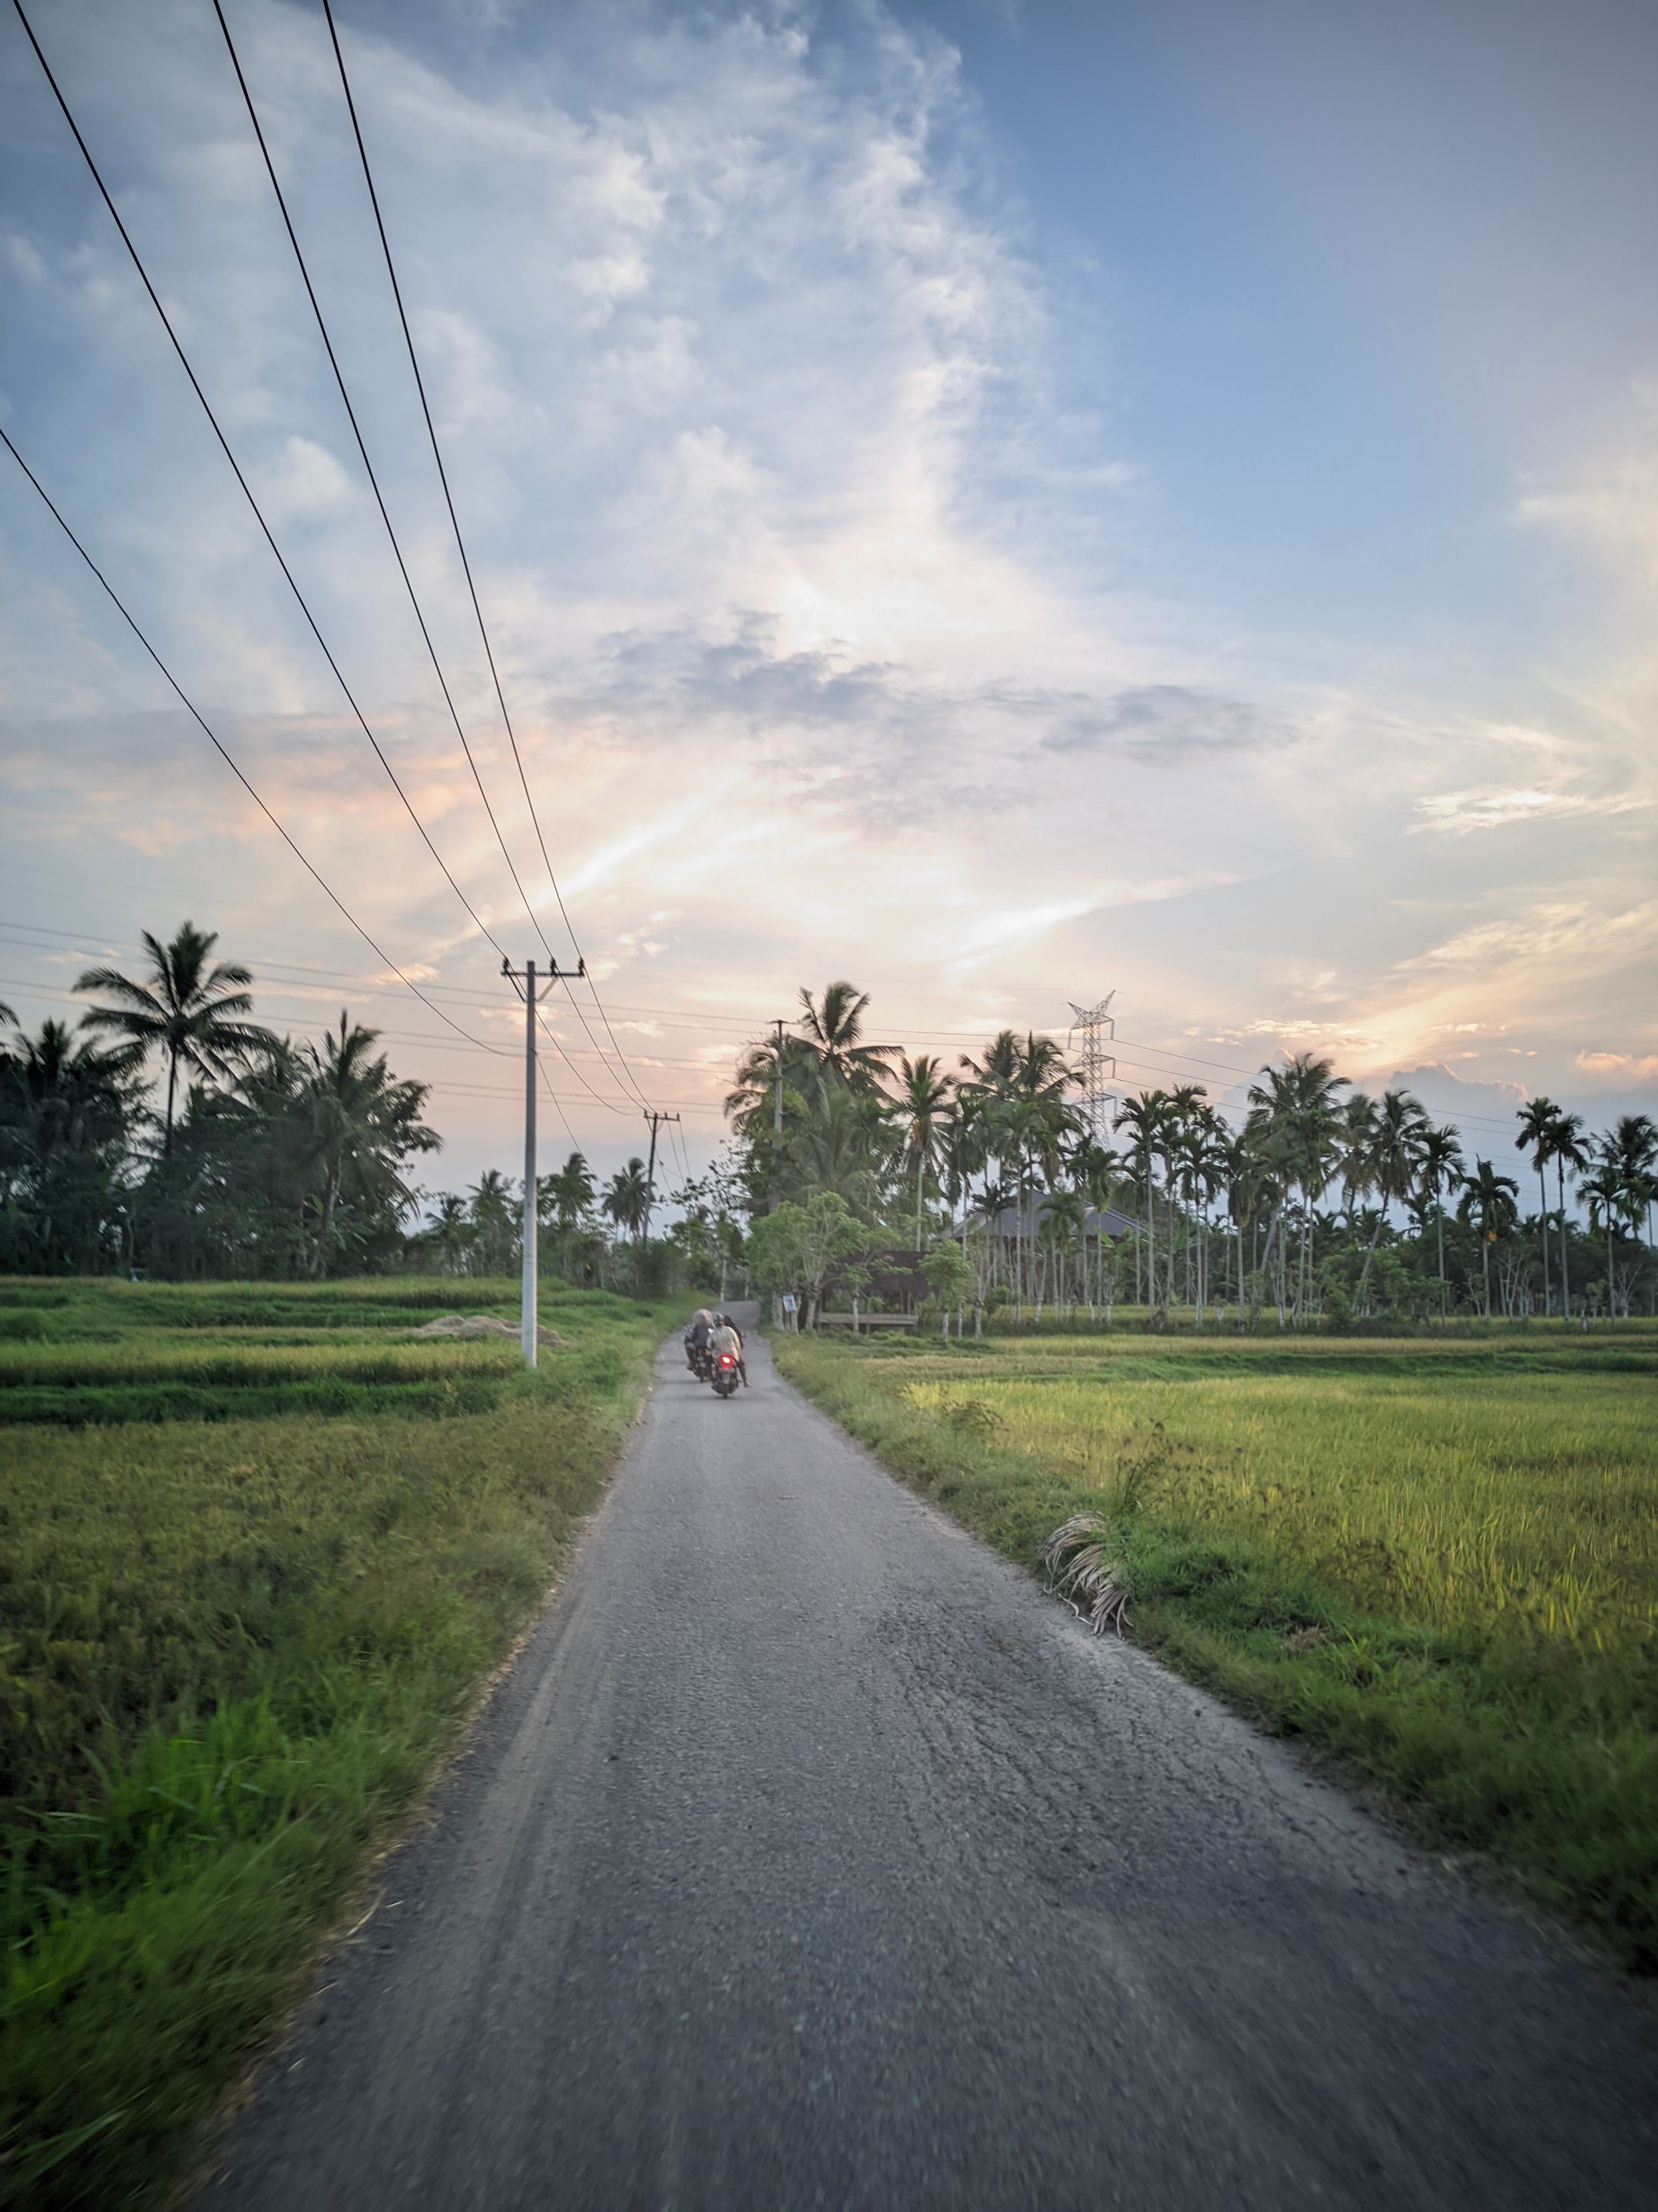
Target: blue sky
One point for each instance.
(1005, 502)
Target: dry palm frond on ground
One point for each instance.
(1082, 1567)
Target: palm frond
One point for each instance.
(1083, 1568)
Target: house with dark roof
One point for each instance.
(1027, 1220)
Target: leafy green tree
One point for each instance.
(949, 1277)
(794, 1247)
(189, 1008)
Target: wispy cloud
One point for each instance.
(1459, 813)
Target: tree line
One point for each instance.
(1324, 1204)
(170, 1133)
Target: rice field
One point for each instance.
(1437, 1558)
(258, 1547)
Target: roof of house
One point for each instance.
(1026, 1220)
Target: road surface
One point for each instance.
(810, 1856)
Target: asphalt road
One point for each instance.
(809, 1856)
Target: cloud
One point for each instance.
(1458, 813)
(1167, 723)
(806, 590)
(1573, 936)
(1627, 1067)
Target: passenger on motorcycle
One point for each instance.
(727, 1337)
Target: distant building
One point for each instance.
(1027, 1220)
(897, 1284)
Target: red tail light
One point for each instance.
(726, 1359)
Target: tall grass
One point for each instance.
(1442, 1564)
(232, 1649)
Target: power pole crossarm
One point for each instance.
(534, 993)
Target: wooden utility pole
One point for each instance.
(532, 993)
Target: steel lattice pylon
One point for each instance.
(1098, 1027)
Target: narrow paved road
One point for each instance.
(810, 1856)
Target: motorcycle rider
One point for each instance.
(696, 1337)
(727, 1337)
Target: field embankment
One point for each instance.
(258, 1548)
(1437, 1559)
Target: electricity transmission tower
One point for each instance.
(1098, 1026)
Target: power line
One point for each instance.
(259, 514)
(460, 545)
(230, 762)
(357, 432)
(608, 1104)
(546, 1080)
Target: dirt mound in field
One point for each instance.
(485, 1325)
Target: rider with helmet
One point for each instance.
(727, 1337)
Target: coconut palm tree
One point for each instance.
(1608, 1194)
(1393, 1162)
(846, 1146)
(67, 1110)
(495, 1220)
(1489, 1198)
(188, 1007)
(832, 1029)
(626, 1199)
(1293, 1123)
(1441, 1171)
(568, 1194)
(450, 1232)
(1145, 1117)
(1635, 1138)
(923, 1097)
(364, 1123)
(1564, 1141)
(1537, 1118)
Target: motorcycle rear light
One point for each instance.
(726, 1359)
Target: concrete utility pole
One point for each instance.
(656, 1120)
(532, 996)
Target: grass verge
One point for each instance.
(1442, 1570)
(231, 1651)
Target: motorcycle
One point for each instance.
(696, 1359)
(725, 1378)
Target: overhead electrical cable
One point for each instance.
(465, 562)
(259, 513)
(540, 1064)
(357, 432)
(229, 760)
(608, 1104)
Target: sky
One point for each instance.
(1006, 503)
